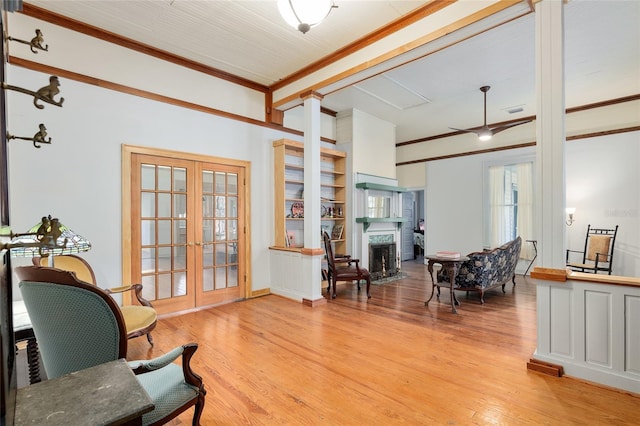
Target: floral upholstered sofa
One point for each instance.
(487, 269)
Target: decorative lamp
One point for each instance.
(570, 213)
(305, 14)
(49, 237)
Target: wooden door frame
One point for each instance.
(127, 152)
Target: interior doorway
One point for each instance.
(413, 238)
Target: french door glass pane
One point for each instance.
(232, 276)
(207, 279)
(220, 182)
(179, 179)
(164, 286)
(148, 176)
(164, 259)
(148, 204)
(179, 283)
(232, 230)
(180, 232)
(220, 206)
(207, 181)
(164, 205)
(232, 205)
(221, 254)
(149, 287)
(164, 232)
(207, 206)
(220, 230)
(148, 260)
(148, 232)
(179, 258)
(164, 178)
(180, 205)
(232, 183)
(221, 278)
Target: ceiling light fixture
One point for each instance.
(305, 14)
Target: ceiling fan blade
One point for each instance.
(508, 126)
(473, 130)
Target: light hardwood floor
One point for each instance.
(389, 360)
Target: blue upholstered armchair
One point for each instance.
(78, 325)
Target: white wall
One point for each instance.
(372, 143)
(78, 178)
(602, 182)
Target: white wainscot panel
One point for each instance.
(597, 330)
(632, 333)
(561, 313)
(286, 274)
(592, 329)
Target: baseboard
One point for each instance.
(545, 367)
(314, 303)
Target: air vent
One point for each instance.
(514, 109)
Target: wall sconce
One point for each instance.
(39, 138)
(35, 43)
(570, 213)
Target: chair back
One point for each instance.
(599, 244)
(328, 251)
(77, 325)
(70, 262)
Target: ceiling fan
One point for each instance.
(484, 132)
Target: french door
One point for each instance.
(188, 238)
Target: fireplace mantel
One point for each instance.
(367, 221)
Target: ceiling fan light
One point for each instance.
(304, 14)
(484, 135)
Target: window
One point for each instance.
(509, 202)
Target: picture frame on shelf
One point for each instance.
(336, 232)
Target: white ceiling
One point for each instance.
(249, 39)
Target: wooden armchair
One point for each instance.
(78, 326)
(139, 319)
(343, 268)
(598, 251)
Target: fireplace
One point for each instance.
(382, 260)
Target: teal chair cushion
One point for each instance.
(167, 389)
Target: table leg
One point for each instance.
(433, 283)
(453, 270)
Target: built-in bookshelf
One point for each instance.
(289, 194)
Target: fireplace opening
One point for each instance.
(382, 260)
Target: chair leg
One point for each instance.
(333, 296)
(199, 408)
(368, 287)
(150, 339)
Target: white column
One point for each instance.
(550, 133)
(312, 252)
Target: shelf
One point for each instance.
(367, 221)
(380, 187)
